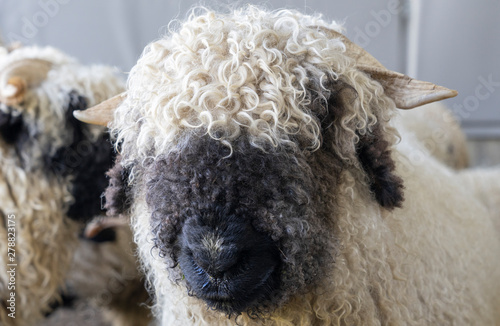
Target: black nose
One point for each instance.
(216, 259)
(216, 253)
(230, 265)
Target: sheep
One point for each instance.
(51, 168)
(267, 180)
(435, 126)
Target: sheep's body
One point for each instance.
(39, 261)
(437, 129)
(264, 177)
(45, 167)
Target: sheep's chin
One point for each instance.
(255, 296)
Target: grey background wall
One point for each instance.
(459, 46)
(452, 42)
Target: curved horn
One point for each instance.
(405, 91)
(101, 114)
(17, 77)
(97, 226)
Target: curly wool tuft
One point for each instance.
(248, 70)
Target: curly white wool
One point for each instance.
(254, 80)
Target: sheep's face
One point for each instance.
(247, 227)
(244, 229)
(39, 90)
(40, 127)
(12, 126)
(38, 139)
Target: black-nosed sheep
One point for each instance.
(52, 169)
(265, 182)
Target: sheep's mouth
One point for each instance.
(241, 290)
(227, 301)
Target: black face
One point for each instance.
(84, 160)
(252, 229)
(235, 225)
(87, 162)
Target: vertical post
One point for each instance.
(404, 17)
(413, 38)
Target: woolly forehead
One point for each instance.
(252, 70)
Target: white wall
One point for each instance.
(460, 48)
(458, 44)
(116, 31)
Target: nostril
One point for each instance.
(215, 266)
(216, 275)
(212, 269)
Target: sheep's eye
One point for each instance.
(11, 125)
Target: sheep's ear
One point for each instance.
(103, 113)
(372, 151)
(374, 154)
(406, 92)
(118, 192)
